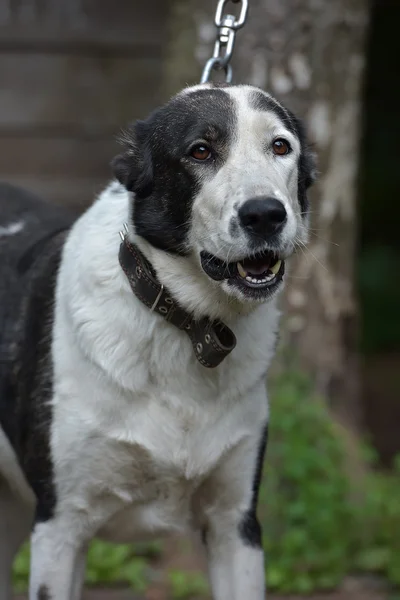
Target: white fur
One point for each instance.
(251, 170)
(107, 345)
(11, 229)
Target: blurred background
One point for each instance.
(72, 73)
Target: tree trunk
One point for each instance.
(310, 55)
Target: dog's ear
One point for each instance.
(134, 166)
(308, 158)
(308, 167)
(307, 163)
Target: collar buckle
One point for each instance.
(210, 347)
(157, 300)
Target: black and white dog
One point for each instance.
(132, 382)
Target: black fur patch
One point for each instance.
(35, 380)
(157, 166)
(28, 274)
(306, 166)
(43, 593)
(260, 101)
(249, 528)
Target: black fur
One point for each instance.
(307, 169)
(43, 593)
(260, 101)
(157, 166)
(249, 528)
(27, 283)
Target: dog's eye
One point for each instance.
(200, 152)
(281, 147)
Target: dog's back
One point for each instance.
(28, 230)
(31, 239)
(26, 224)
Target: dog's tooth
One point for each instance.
(276, 267)
(241, 271)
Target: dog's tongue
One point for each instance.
(256, 266)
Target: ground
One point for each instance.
(179, 554)
(360, 594)
(353, 589)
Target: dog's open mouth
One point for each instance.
(261, 271)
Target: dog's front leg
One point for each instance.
(236, 567)
(57, 561)
(233, 534)
(79, 574)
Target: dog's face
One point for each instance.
(221, 174)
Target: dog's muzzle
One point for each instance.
(262, 272)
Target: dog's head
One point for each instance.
(220, 174)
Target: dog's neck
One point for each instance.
(190, 286)
(212, 341)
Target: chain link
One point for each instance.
(227, 26)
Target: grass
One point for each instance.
(107, 564)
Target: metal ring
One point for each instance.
(207, 338)
(138, 272)
(199, 348)
(215, 64)
(168, 300)
(163, 310)
(227, 46)
(242, 17)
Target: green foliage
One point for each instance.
(304, 501)
(185, 585)
(21, 570)
(378, 524)
(106, 564)
(109, 563)
(315, 532)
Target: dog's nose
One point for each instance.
(262, 216)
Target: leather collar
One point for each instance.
(212, 341)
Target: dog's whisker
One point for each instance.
(323, 239)
(296, 277)
(307, 249)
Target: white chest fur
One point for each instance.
(132, 406)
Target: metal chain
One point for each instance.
(227, 27)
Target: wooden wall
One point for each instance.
(72, 72)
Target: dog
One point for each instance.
(135, 342)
